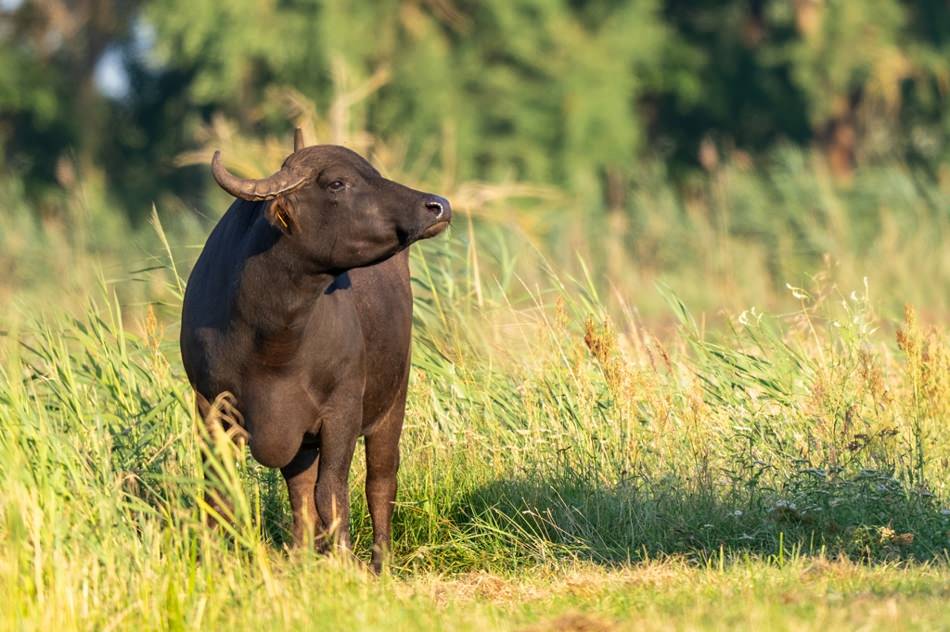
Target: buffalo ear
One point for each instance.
(279, 214)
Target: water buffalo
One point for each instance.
(297, 316)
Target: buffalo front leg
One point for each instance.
(222, 419)
(301, 477)
(337, 443)
(382, 463)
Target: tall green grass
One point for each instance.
(539, 432)
(565, 412)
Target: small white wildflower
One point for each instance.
(750, 317)
(945, 512)
(737, 513)
(797, 292)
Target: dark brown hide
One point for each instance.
(300, 307)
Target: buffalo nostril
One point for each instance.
(436, 207)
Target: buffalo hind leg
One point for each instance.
(301, 478)
(382, 464)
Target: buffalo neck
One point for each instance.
(277, 289)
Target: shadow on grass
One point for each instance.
(866, 516)
(524, 520)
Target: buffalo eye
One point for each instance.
(337, 185)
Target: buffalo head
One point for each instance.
(336, 209)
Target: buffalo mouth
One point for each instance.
(435, 229)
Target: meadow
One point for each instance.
(725, 409)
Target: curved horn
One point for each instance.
(298, 139)
(283, 181)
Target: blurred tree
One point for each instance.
(849, 64)
(924, 126)
(50, 110)
(566, 92)
(532, 89)
(745, 94)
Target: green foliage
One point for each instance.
(847, 51)
(577, 95)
